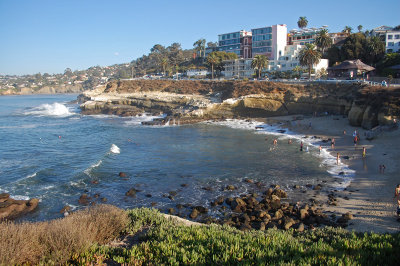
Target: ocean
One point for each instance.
(50, 151)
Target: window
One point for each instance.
(390, 37)
(390, 43)
(397, 36)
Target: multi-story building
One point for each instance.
(238, 68)
(269, 41)
(303, 36)
(390, 37)
(233, 42)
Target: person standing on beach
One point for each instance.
(275, 142)
(337, 158)
(364, 152)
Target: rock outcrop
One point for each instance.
(193, 101)
(11, 208)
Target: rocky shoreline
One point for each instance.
(11, 208)
(194, 101)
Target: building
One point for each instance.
(238, 68)
(233, 42)
(349, 69)
(209, 50)
(290, 60)
(269, 41)
(390, 37)
(196, 72)
(303, 36)
(338, 37)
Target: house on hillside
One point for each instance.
(389, 36)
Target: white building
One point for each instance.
(238, 68)
(389, 36)
(196, 72)
(241, 68)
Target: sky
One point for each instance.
(48, 36)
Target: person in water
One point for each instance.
(301, 146)
(364, 152)
(333, 143)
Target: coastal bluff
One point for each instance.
(193, 101)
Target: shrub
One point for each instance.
(56, 241)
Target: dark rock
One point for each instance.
(104, 199)
(131, 193)
(238, 205)
(148, 195)
(153, 204)
(179, 206)
(122, 174)
(66, 208)
(318, 187)
(184, 185)
(171, 211)
(288, 222)
(207, 188)
(247, 180)
(230, 187)
(173, 193)
(171, 197)
(201, 209)
(84, 199)
(194, 214)
(296, 187)
(229, 201)
(303, 213)
(275, 202)
(97, 195)
(4, 197)
(300, 228)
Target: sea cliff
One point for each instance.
(192, 101)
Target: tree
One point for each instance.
(397, 27)
(309, 56)
(347, 29)
(359, 28)
(298, 70)
(323, 40)
(68, 72)
(212, 44)
(259, 63)
(333, 55)
(213, 59)
(322, 73)
(200, 46)
(354, 47)
(302, 22)
(375, 50)
(164, 64)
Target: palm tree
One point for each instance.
(259, 62)
(302, 23)
(347, 29)
(359, 28)
(200, 46)
(298, 70)
(375, 47)
(323, 40)
(164, 64)
(309, 56)
(212, 59)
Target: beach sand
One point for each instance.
(369, 197)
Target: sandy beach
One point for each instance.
(369, 197)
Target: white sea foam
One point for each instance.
(32, 175)
(145, 117)
(55, 109)
(20, 197)
(338, 170)
(114, 149)
(90, 168)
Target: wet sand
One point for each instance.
(369, 197)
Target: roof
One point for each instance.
(352, 64)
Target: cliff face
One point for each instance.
(46, 90)
(200, 100)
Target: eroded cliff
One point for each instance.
(200, 100)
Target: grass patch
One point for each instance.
(56, 241)
(167, 242)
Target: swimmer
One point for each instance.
(333, 143)
(337, 158)
(301, 146)
(275, 141)
(307, 148)
(320, 149)
(289, 141)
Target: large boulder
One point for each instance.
(238, 205)
(355, 115)
(11, 208)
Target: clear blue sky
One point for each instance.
(51, 35)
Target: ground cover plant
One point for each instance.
(85, 238)
(168, 242)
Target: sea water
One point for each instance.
(48, 150)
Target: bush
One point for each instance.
(56, 241)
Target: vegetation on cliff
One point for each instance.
(152, 238)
